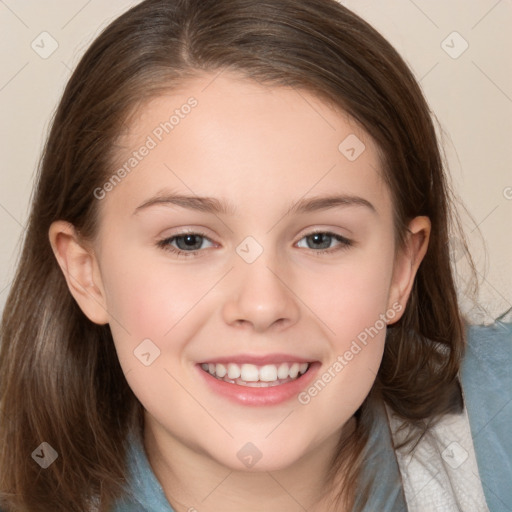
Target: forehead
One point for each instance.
(226, 136)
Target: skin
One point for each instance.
(262, 149)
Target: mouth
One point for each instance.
(258, 381)
(256, 376)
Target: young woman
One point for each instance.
(235, 291)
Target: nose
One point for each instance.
(261, 297)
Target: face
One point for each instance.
(253, 238)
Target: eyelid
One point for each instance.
(309, 231)
(325, 231)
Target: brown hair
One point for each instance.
(61, 381)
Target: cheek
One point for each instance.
(149, 299)
(353, 304)
(160, 303)
(351, 296)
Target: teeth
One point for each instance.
(283, 370)
(246, 374)
(268, 373)
(220, 370)
(249, 373)
(294, 370)
(233, 371)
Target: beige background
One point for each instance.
(470, 92)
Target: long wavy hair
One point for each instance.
(60, 379)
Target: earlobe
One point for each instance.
(78, 264)
(408, 260)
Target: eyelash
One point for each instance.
(165, 243)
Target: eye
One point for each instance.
(323, 240)
(184, 244)
(191, 244)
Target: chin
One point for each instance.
(254, 456)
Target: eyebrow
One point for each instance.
(216, 206)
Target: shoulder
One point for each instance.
(486, 371)
(486, 379)
(489, 344)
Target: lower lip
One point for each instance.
(272, 395)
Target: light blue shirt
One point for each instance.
(486, 378)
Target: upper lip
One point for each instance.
(258, 360)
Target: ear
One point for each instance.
(407, 261)
(79, 266)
